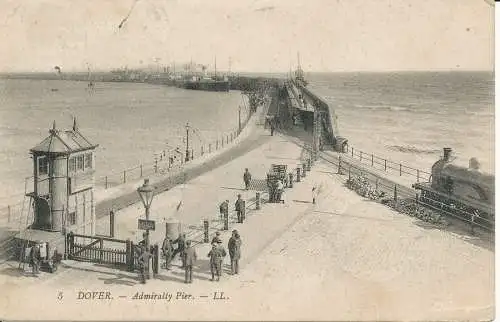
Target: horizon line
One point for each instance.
(267, 72)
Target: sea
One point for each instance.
(404, 117)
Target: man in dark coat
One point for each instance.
(223, 209)
(234, 247)
(190, 258)
(181, 244)
(143, 261)
(167, 250)
(239, 206)
(247, 178)
(216, 256)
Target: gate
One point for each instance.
(93, 249)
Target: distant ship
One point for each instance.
(211, 84)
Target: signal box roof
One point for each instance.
(63, 142)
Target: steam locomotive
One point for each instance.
(466, 193)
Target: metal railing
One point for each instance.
(387, 165)
(160, 166)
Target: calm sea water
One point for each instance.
(130, 122)
(410, 117)
(407, 117)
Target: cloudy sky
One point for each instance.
(257, 35)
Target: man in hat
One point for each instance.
(167, 250)
(223, 209)
(240, 209)
(247, 178)
(143, 260)
(181, 244)
(216, 238)
(216, 256)
(234, 247)
(190, 259)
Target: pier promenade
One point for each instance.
(345, 258)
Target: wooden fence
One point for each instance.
(77, 248)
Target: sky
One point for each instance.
(255, 35)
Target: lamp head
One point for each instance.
(146, 192)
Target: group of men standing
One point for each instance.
(216, 255)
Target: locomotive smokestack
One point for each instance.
(446, 154)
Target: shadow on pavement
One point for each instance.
(120, 279)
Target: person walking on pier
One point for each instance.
(167, 250)
(247, 178)
(314, 194)
(273, 127)
(223, 209)
(234, 247)
(240, 209)
(216, 256)
(279, 190)
(473, 218)
(181, 244)
(190, 259)
(143, 260)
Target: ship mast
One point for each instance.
(215, 66)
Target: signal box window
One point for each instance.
(79, 162)
(72, 218)
(43, 165)
(72, 164)
(88, 161)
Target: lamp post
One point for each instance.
(146, 192)
(187, 142)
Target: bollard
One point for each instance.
(298, 174)
(205, 230)
(124, 176)
(257, 200)
(112, 223)
(226, 220)
(290, 180)
(303, 170)
(192, 154)
(309, 164)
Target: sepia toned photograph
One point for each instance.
(249, 160)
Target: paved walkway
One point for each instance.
(345, 258)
